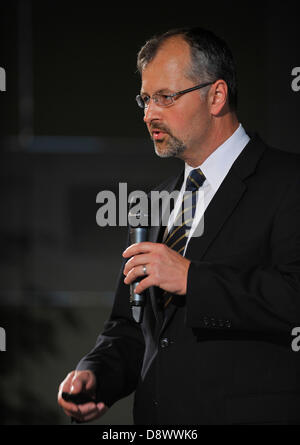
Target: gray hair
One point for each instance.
(211, 58)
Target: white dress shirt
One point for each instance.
(215, 169)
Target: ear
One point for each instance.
(218, 97)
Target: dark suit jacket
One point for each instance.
(223, 354)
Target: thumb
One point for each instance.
(78, 383)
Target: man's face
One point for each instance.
(181, 128)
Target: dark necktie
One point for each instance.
(179, 232)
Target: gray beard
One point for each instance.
(173, 148)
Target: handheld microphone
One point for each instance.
(138, 232)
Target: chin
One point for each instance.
(173, 151)
(163, 153)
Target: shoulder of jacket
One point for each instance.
(283, 159)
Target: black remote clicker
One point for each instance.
(78, 399)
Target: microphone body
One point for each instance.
(137, 301)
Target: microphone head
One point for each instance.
(138, 213)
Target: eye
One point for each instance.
(165, 99)
(146, 99)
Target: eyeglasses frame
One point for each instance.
(178, 93)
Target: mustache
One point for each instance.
(159, 127)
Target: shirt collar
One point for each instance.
(218, 164)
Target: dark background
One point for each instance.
(70, 128)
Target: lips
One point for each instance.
(158, 134)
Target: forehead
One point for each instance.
(168, 68)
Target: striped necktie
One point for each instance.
(179, 232)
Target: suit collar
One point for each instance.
(227, 197)
(247, 161)
(218, 163)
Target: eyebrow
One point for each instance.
(161, 91)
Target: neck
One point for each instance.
(219, 131)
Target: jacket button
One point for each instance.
(155, 402)
(164, 343)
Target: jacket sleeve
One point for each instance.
(261, 298)
(118, 354)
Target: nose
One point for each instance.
(152, 112)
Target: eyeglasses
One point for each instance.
(164, 100)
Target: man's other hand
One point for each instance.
(81, 382)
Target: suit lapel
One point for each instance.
(216, 214)
(226, 198)
(221, 207)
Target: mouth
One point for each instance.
(158, 134)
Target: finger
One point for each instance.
(91, 382)
(93, 416)
(81, 411)
(137, 248)
(83, 381)
(65, 386)
(75, 414)
(75, 383)
(137, 260)
(99, 411)
(70, 409)
(144, 284)
(136, 272)
(69, 406)
(79, 382)
(87, 408)
(86, 414)
(102, 407)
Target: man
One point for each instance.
(218, 350)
